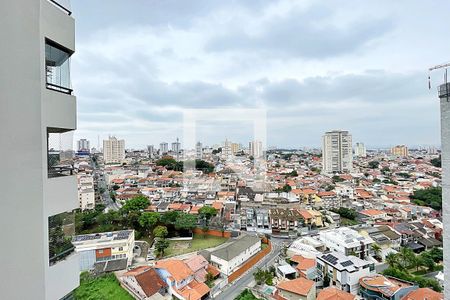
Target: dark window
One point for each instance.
(57, 67)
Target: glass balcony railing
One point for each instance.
(57, 67)
(64, 5)
(61, 229)
(60, 153)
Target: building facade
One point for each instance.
(37, 103)
(83, 145)
(163, 148)
(337, 154)
(113, 150)
(360, 150)
(400, 150)
(199, 150)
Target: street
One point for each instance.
(232, 290)
(109, 203)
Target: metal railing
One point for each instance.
(59, 88)
(59, 171)
(62, 255)
(63, 5)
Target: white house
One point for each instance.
(232, 256)
(346, 241)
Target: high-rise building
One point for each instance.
(255, 149)
(163, 148)
(226, 149)
(337, 154)
(151, 151)
(198, 151)
(113, 150)
(360, 150)
(444, 95)
(176, 146)
(37, 102)
(399, 150)
(83, 145)
(235, 148)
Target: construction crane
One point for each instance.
(441, 66)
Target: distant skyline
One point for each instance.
(314, 65)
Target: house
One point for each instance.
(332, 293)
(98, 250)
(284, 221)
(306, 267)
(181, 280)
(371, 215)
(343, 271)
(233, 255)
(380, 287)
(424, 294)
(199, 265)
(346, 241)
(300, 288)
(144, 283)
(384, 236)
(286, 272)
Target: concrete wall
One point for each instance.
(445, 144)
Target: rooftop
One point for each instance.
(235, 248)
(300, 286)
(95, 238)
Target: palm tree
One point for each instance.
(406, 258)
(392, 260)
(376, 250)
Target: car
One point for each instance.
(150, 256)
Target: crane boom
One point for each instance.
(439, 67)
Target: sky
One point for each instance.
(313, 66)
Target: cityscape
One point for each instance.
(114, 213)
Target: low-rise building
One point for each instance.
(380, 287)
(101, 248)
(297, 289)
(343, 271)
(144, 283)
(232, 256)
(346, 241)
(424, 294)
(332, 293)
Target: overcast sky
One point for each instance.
(313, 65)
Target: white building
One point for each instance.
(151, 151)
(343, 271)
(255, 149)
(226, 149)
(163, 148)
(83, 144)
(176, 146)
(337, 154)
(360, 150)
(36, 102)
(86, 193)
(113, 150)
(232, 256)
(104, 247)
(198, 151)
(346, 241)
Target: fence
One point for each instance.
(250, 263)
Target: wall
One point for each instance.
(213, 232)
(250, 263)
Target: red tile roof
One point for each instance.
(299, 286)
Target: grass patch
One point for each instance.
(100, 288)
(264, 246)
(246, 295)
(199, 242)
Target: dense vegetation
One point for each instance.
(100, 288)
(171, 164)
(246, 295)
(431, 197)
(264, 276)
(347, 213)
(436, 162)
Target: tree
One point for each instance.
(259, 276)
(391, 260)
(427, 261)
(166, 161)
(160, 231)
(437, 162)
(209, 279)
(204, 166)
(160, 246)
(376, 250)
(326, 280)
(185, 221)
(207, 212)
(437, 254)
(374, 164)
(137, 203)
(170, 217)
(406, 258)
(337, 178)
(431, 197)
(205, 229)
(148, 220)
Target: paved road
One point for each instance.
(110, 204)
(232, 290)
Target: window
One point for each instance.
(61, 228)
(57, 67)
(59, 153)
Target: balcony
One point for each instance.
(57, 67)
(63, 5)
(61, 229)
(60, 153)
(444, 90)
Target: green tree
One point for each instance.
(206, 213)
(391, 260)
(374, 164)
(160, 231)
(337, 178)
(437, 162)
(137, 203)
(431, 197)
(427, 261)
(170, 217)
(376, 250)
(437, 254)
(166, 161)
(259, 276)
(185, 221)
(160, 246)
(205, 229)
(209, 280)
(148, 220)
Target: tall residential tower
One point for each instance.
(39, 187)
(337, 156)
(113, 150)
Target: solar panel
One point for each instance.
(347, 263)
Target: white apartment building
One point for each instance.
(101, 247)
(83, 144)
(255, 149)
(199, 150)
(163, 148)
(337, 154)
(346, 241)
(360, 150)
(113, 150)
(226, 149)
(151, 151)
(343, 271)
(37, 101)
(86, 193)
(232, 256)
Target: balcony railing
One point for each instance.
(444, 90)
(64, 5)
(61, 228)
